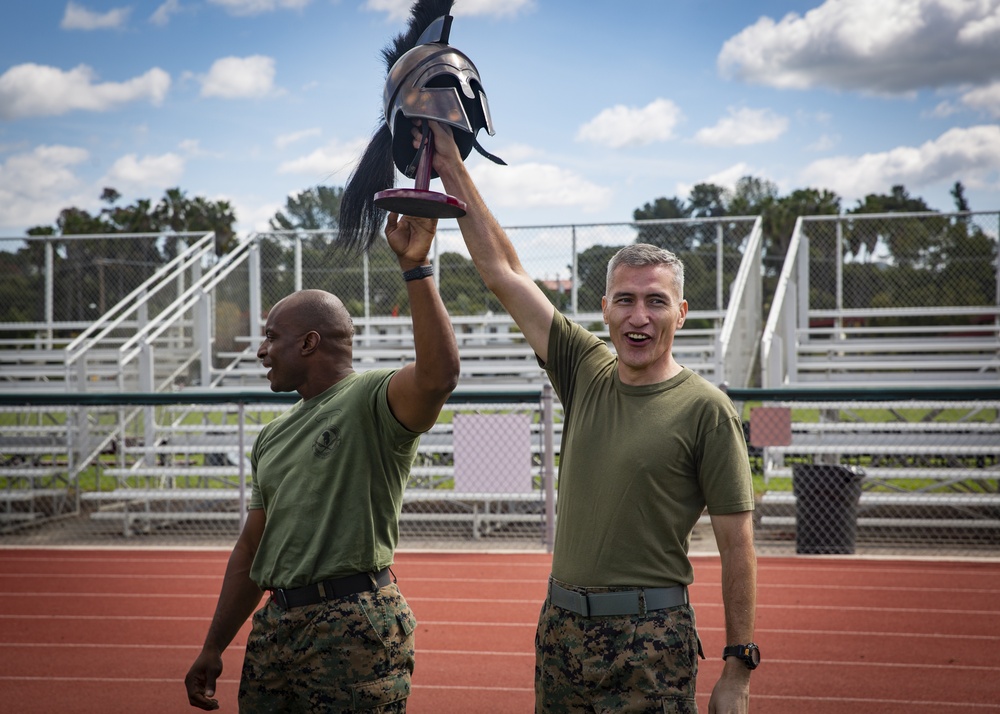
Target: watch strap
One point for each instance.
(418, 273)
(748, 653)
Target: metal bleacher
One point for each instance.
(492, 350)
(44, 450)
(830, 328)
(917, 472)
(824, 330)
(140, 467)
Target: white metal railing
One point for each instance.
(133, 311)
(740, 334)
(776, 359)
(834, 343)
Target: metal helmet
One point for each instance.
(434, 81)
(426, 79)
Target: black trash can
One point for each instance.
(826, 506)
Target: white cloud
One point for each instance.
(239, 78)
(286, 140)
(744, 126)
(969, 155)
(982, 31)
(253, 213)
(133, 173)
(726, 178)
(77, 17)
(243, 8)
(943, 110)
(985, 99)
(824, 143)
(400, 9)
(622, 126)
(890, 46)
(535, 185)
(30, 90)
(163, 13)
(193, 148)
(34, 186)
(496, 8)
(515, 152)
(334, 159)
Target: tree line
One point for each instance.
(908, 261)
(955, 250)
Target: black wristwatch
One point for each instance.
(750, 654)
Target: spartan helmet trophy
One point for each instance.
(427, 80)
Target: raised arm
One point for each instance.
(491, 249)
(419, 390)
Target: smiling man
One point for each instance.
(647, 445)
(336, 633)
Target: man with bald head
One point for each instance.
(328, 476)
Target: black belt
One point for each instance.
(620, 602)
(330, 589)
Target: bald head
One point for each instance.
(316, 311)
(307, 345)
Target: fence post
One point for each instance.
(255, 285)
(147, 384)
(720, 269)
(838, 255)
(50, 282)
(548, 466)
(298, 262)
(574, 278)
(242, 459)
(996, 272)
(366, 275)
(203, 335)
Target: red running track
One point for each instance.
(87, 631)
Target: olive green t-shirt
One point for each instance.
(638, 466)
(329, 474)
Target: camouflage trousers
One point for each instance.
(634, 664)
(351, 654)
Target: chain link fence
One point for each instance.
(569, 261)
(862, 302)
(161, 468)
(862, 472)
(834, 472)
(66, 283)
(194, 319)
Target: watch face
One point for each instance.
(750, 654)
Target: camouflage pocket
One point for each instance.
(679, 705)
(388, 615)
(407, 622)
(380, 692)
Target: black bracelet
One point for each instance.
(418, 273)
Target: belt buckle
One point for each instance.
(571, 600)
(615, 603)
(278, 595)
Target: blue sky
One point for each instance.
(598, 108)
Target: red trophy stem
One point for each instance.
(424, 166)
(418, 201)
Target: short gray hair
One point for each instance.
(639, 255)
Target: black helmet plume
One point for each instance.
(360, 220)
(425, 79)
